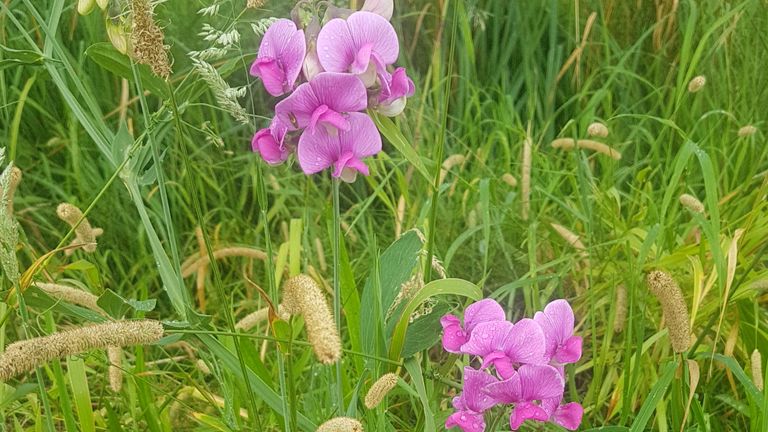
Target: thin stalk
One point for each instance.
(337, 283)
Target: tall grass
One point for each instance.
(150, 161)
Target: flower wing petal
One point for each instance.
(539, 382)
(368, 27)
(482, 311)
(525, 342)
(335, 46)
(317, 151)
(342, 92)
(487, 337)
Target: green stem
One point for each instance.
(337, 284)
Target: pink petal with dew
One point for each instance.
(268, 147)
(467, 421)
(340, 91)
(327, 115)
(569, 416)
(500, 362)
(557, 323)
(525, 342)
(453, 336)
(335, 47)
(362, 59)
(539, 382)
(487, 337)
(506, 391)
(385, 8)
(474, 394)
(525, 411)
(485, 310)
(320, 150)
(271, 74)
(570, 351)
(367, 27)
(280, 58)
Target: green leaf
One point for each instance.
(117, 306)
(15, 57)
(106, 56)
(439, 287)
(417, 380)
(80, 393)
(752, 391)
(424, 331)
(392, 133)
(657, 392)
(282, 330)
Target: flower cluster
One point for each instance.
(331, 74)
(520, 364)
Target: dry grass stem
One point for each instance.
(526, 178)
(23, 356)
(85, 234)
(192, 264)
(692, 203)
(570, 143)
(379, 390)
(341, 424)
(301, 294)
(13, 183)
(400, 217)
(320, 254)
(597, 129)
(71, 295)
(570, 237)
(675, 310)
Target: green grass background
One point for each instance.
(489, 74)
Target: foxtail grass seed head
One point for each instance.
(341, 424)
(254, 4)
(379, 390)
(570, 237)
(23, 356)
(597, 129)
(147, 39)
(598, 147)
(697, 83)
(303, 294)
(9, 230)
(692, 203)
(756, 362)
(71, 295)
(450, 162)
(253, 319)
(509, 179)
(13, 182)
(85, 234)
(620, 318)
(675, 310)
(115, 355)
(746, 131)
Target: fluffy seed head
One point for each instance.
(450, 162)
(14, 179)
(115, 355)
(71, 295)
(756, 362)
(379, 389)
(697, 83)
(302, 294)
(251, 320)
(597, 129)
(147, 39)
(23, 356)
(570, 143)
(746, 131)
(569, 236)
(509, 179)
(341, 424)
(691, 203)
(254, 4)
(619, 320)
(85, 234)
(675, 310)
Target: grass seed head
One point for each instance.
(303, 294)
(509, 179)
(71, 295)
(746, 131)
(85, 234)
(697, 83)
(115, 355)
(620, 318)
(254, 4)
(598, 147)
(253, 319)
(341, 424)
(23, 356)
(756, 362)
(597, 129)
(675, 310)
(379, 390)
(692, 203)
(147, 46)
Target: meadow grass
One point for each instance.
(470, 195)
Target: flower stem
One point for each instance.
(337, 284)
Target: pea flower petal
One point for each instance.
(354, 44)
(280, 58)
(557, 322)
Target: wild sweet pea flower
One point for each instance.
(568, 415)
(343, 150)
(269, 142)
(280, 58)
(395, 88)
(364, 44)
(557, 323)
(502, 344)
(531, 383)
(454, 336)
(472, 402)
(325, 100)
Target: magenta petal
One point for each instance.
(296, 110)
(270, 150)
(539, 382)
(474, 394)
(557, 323)
(488, 337)
(570, 351)
(525, 342)
(271, 74)
(506, 391)
(526, 411)
(482, 311)
(281, 55)
(453, 336)
(320, 150)
(323, 99)
(367, 27)
(569, 416)
(362, 59)
(341, 92)
(467, 421)
(385, 8)
(335, 46)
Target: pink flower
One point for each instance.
(280, 58)
(363, 44)
(324, 100)
(472, 402)
(482, 311)
(568, 415)
(531, 383)
(343, 149)
(269, 143)
(557, 323)
(501, 344)
(395, 88)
